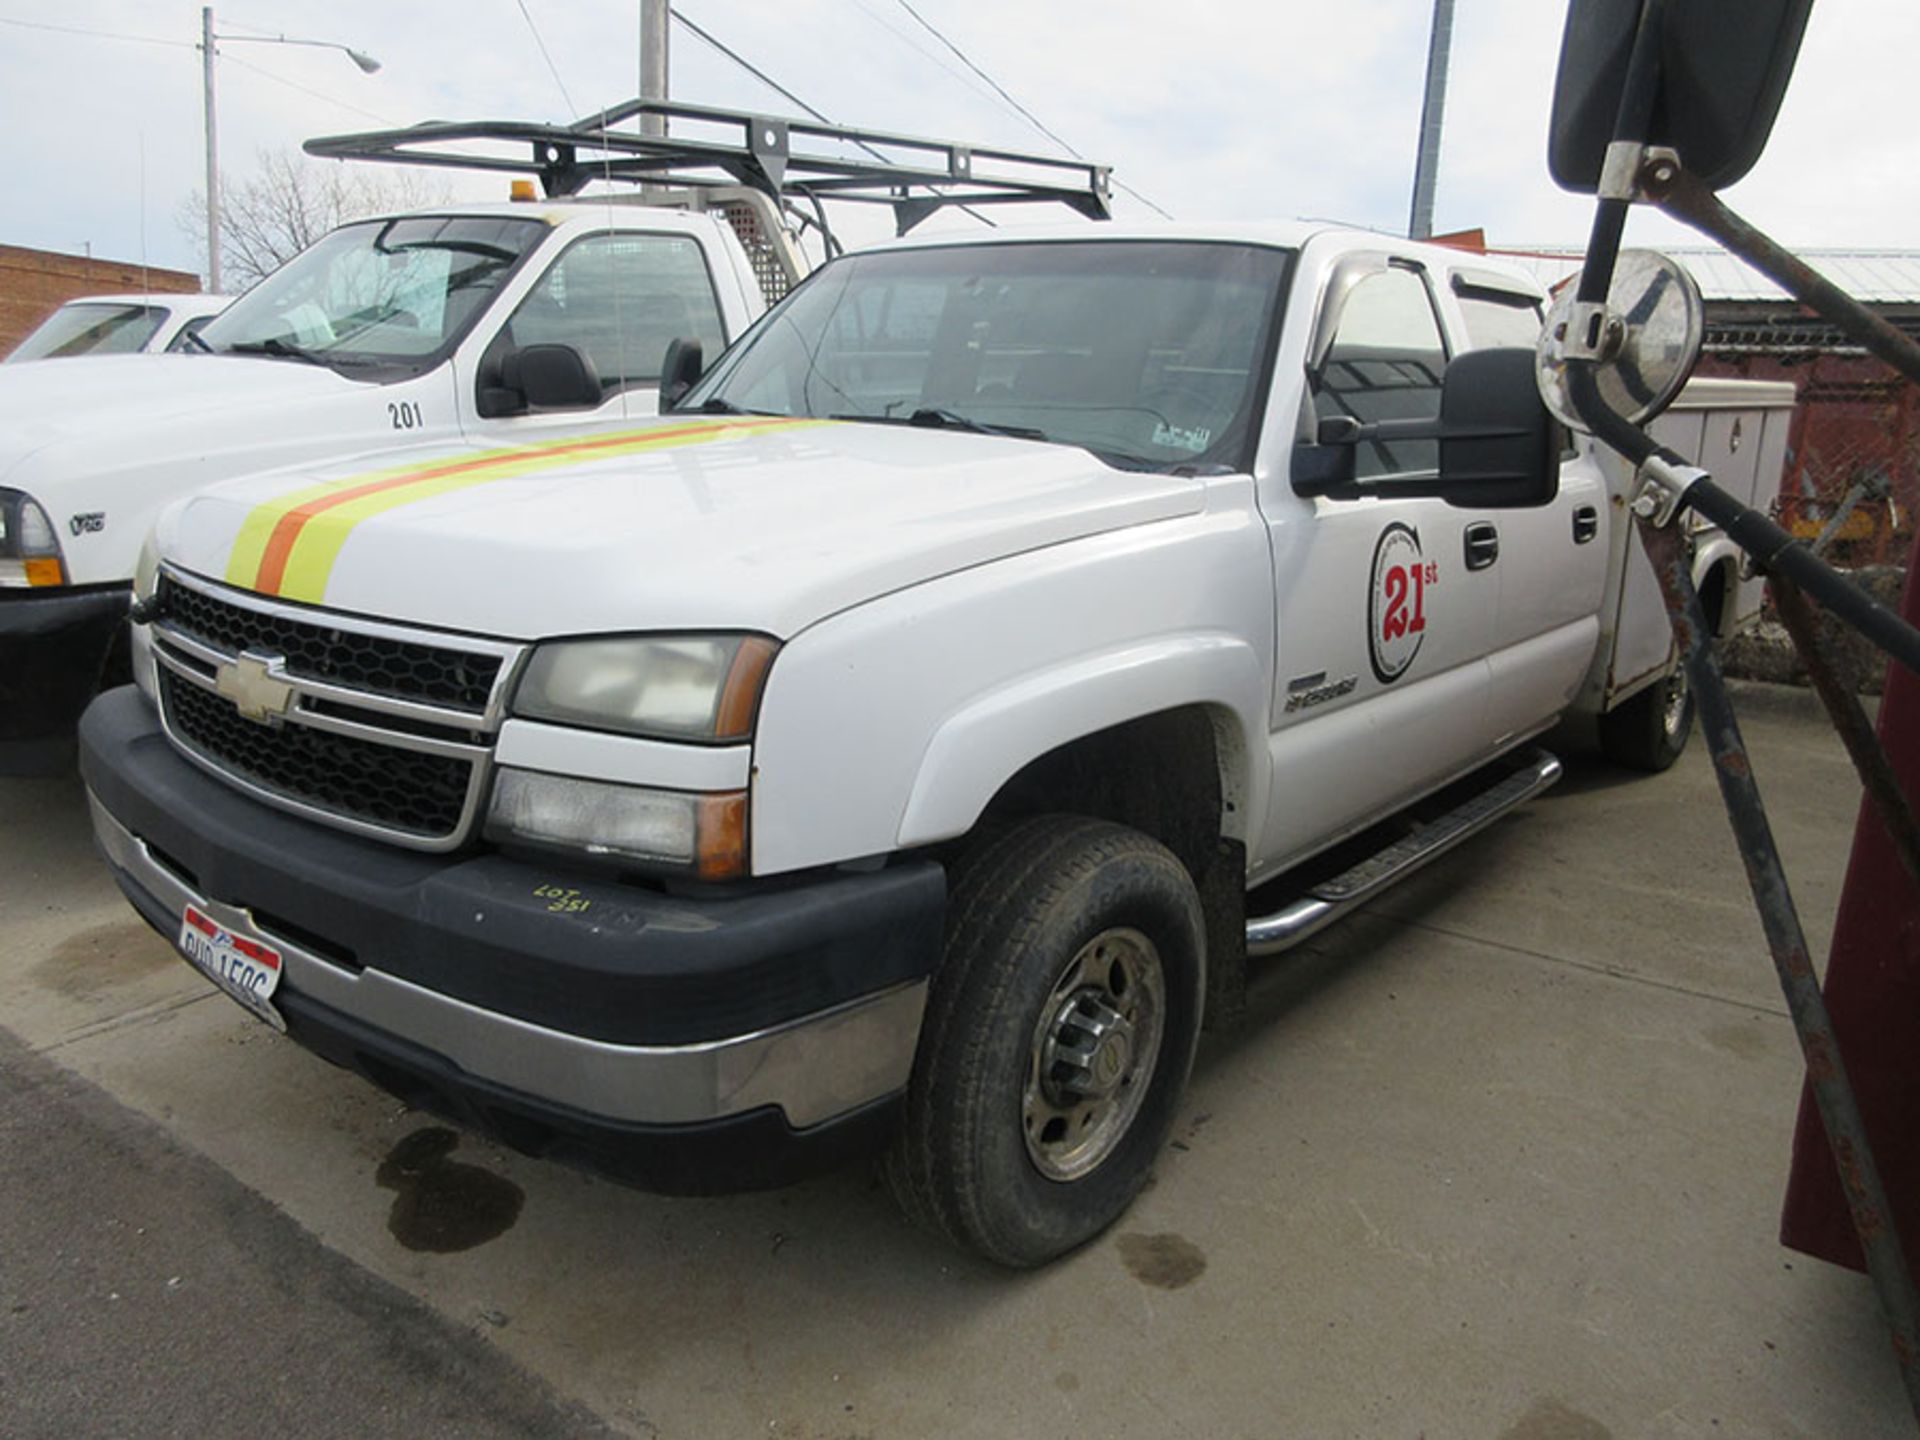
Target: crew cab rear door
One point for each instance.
(1386, 607)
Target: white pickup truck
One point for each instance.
(904, 744)
(406, 326)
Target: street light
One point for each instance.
(367, 66)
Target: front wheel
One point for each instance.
(1648, 731)
(1059, 1034)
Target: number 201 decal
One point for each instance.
(1397, 601)
(405, 414)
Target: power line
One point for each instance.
(1031, 118)
(552, 69)
(303, 89)
(791, 98)
(98, 34)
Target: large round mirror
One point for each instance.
(1656, 326)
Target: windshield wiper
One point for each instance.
(279, 349)
(192, 337)
(934, 417)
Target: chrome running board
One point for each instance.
(1329, 900)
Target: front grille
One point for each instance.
(405, 790)
(378, 664)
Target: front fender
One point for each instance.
(894, 723)
(979, 749)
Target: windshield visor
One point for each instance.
(381, 299)
(91, 330)
(1147, 353)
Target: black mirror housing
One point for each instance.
(1499, 446)
(552, 377)
(682, 367)
(1724, 67)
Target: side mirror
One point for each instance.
(1498, 445)
(552, 377)
(679, 371)
(1723, 72)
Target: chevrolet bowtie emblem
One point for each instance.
(254, 686)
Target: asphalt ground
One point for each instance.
(1501, 1156)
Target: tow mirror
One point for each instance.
(1498, 445)
(552, 377)
(1647, 345)
(679, 371)
(1723, 71)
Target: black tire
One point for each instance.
(1649, 730)
(1031, 911)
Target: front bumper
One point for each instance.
(676, 1042)
(53, 649)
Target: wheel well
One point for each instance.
(1160, 774)
(1176, 776)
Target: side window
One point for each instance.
(1497, 317)
(621, 300)
(1385, 364)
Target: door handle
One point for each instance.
(1586, 524)
(1483, 545)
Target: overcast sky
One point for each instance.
(1211, 108)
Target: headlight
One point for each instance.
(146, 570)
(695, 687)
(706, 834)
(29, 550)
(146, 579)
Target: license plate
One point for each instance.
(243, 967)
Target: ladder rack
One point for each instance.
(776, 156)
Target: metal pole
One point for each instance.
(213, 152)
(654, 16)
(1826, 1075)
(1427, 164)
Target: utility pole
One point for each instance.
(213, 153)
(654, 18)
(1427, 164)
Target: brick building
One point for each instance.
(35, 283)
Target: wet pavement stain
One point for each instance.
(440, 1205)
(1165, 1261)
(1548, 1419)
(95, 960)
(1746, 1040)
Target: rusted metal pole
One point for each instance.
(1827, 1076)
(1685, 197)
(1836, 692)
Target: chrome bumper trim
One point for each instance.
(813, 1069)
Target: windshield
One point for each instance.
(378, 300)
(91, 330)
(1147, 353)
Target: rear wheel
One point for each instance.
(1649, 730)
(1059, 1034)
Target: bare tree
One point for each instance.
(289, 202)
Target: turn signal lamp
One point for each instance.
(522, 190)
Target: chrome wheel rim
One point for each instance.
(1094, 1049)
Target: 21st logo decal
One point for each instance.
(1397, 602)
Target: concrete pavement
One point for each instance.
(1500, 1157)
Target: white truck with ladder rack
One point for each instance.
(488, 323)
(904, 742)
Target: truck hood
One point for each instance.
(102, 402)
(711, 523)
